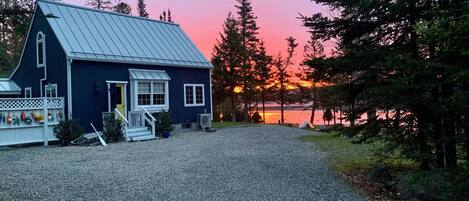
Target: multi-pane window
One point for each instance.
(194, 95)
(151, 93)
(40, 50)
(28, 92)
(51, 90)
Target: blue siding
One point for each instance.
(90, 101)
(28, 75)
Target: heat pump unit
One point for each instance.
(204, 121)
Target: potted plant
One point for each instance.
(163, 124)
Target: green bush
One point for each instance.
(112, 128)
(438, 185)
(67, 131)
(163, 122)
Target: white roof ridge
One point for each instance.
(105, 11)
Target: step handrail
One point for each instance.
(122, 116)
(152, 122)
(148, 113)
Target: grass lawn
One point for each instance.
(219, 125)
(343, 154)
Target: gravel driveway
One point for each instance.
(244, 163)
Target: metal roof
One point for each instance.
(136, 74)
(96, 35)
(8, 87)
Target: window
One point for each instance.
(51, 90)
(28, 92)
(40, 50)
(151, 93)
(194, 95)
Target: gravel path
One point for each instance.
(245, 163)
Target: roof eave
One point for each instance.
(208, 66)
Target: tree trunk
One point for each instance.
(263, 106)
(340, 115)
(233, 107)
(333, 115)
(282, 119)
(450, 145)
(313, 106)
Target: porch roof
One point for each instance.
(8, 87)
(137, 74)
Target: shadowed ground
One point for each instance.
(243, 163)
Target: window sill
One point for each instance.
(194, 105)
(153, 108)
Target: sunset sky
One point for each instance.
(203, 19)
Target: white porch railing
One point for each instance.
(23, 119)
(140, 118)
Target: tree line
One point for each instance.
(244, 74)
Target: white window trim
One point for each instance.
(194, 104)
(54, 86)
(28, 90)
(151, 108)
(43, 41)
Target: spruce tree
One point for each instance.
(248, 31)
(264, 75)
(122, 7)
(226, 62)
(406, 57)
(100, 4)
(282, 75)
(141, 8)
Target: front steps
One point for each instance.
(139, 134)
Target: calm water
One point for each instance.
(299, 116)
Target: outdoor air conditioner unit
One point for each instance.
(204, 121)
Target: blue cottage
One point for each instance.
(105, 62)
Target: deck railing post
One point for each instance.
(46, 121)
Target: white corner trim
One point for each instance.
(194, 104)
(69, 88)
(211, 102)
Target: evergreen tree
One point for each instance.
(141, 8)
(226, 62)
(312, 50)
(264, 75)
(100, 4)
(282, 75)
(14, 23)
(248, 30)
(122, 7)
(405, 56)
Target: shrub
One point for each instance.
(439, 185)
(67, 131)
(256, 118)
(112, 128)
(163, 122)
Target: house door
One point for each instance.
(120, 99)
(117, 97)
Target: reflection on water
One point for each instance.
(300, 116)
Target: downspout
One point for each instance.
(69, 87)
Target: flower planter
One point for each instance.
(166, 134)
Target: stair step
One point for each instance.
(140, 133)
(143, 138)
(137, 129)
